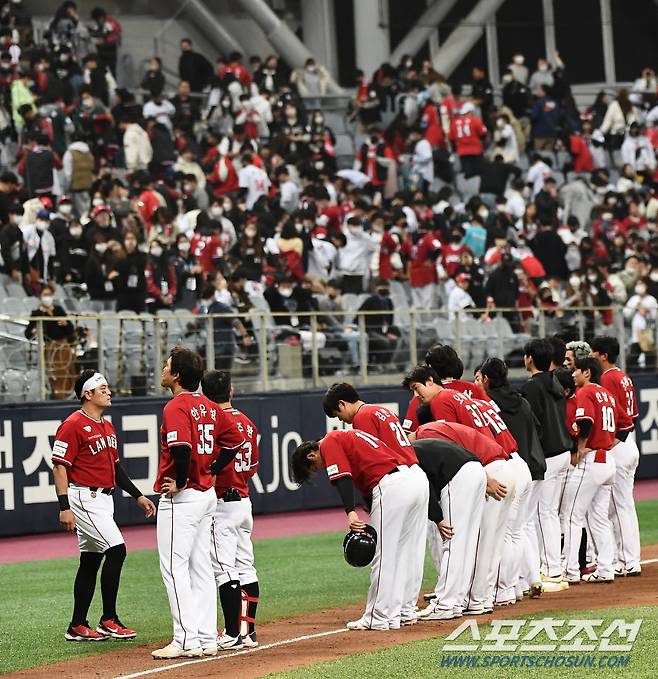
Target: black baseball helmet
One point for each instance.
(360, 548)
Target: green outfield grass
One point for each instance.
(424, 658)
(297, 574)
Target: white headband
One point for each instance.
(96, 380)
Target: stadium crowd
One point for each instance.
(228, 192)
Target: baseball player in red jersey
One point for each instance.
(589, 484)
(626, 456)
(445, 404)
(193, 429)
(400, 501)
(87, 470)
(501, 483)
(343, 401)
(232, 552)
(445, 362)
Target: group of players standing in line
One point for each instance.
(512, 482)
(492, 477)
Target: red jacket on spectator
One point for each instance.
(466, 132)
(386, 248)
(431, 123)
(422, 264)
(154, 290)
(582, 156)
(451, 255)
(206, 248)
(224, 178)
(238, 71)
(148, 204)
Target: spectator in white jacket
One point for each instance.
(619, 115)
(637, 151)
(136, 146)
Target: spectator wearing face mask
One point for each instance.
(641, 310)
(541, 78)
(518, 68)
(467, 132)
(188, 274)
(459, 298)
(41, 250)
(130, 284)
(383, 336)
(637, 152)
(13, 249)
(288, 190)
(311, 81)
(161, 284)
(137, 148)
(153, 80)
(193, 67)
(101, 223)
(100, 272)
(354, 257)
(422, 251)
(58, 335)
(74, 253)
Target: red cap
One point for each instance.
(462, 277)
(99, 209)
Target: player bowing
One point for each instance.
(343, 401)
(87, 470)
(398, 513)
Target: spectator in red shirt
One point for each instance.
(422, 251)
(466, 134)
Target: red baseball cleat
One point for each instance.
(83, 633)
(115, 628)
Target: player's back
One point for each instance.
(470, 389)
(597, 404)
(497, 426)
(383, 424)
(453, 406)
(620, 385)
(243, 467)
(189, 420)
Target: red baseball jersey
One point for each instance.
(383, 424)
(571, 416)
(491, 413)
(410, 422)
(597, 404)
(194, 421)
(422, 264)
(352, 453)
(206, 249)
(620, 385)
(451, 406)
(237, 474)
(471, 389)
(88, 449)
(472, 440)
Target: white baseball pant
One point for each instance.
(622, 505)
(232, 552)
(588, 493)
(548, 521)
(530, 561)
(415, 561)
(183, 528)
(462, 504)
(490, 541)
(94, 519)
(399, 515)
(510, 563)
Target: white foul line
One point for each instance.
(221, 655)
(285, 642)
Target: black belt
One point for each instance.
(105, 491)
(395, 469)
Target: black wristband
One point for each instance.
(63, 502)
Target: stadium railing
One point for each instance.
(284, 350)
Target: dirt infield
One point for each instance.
(317, 637)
